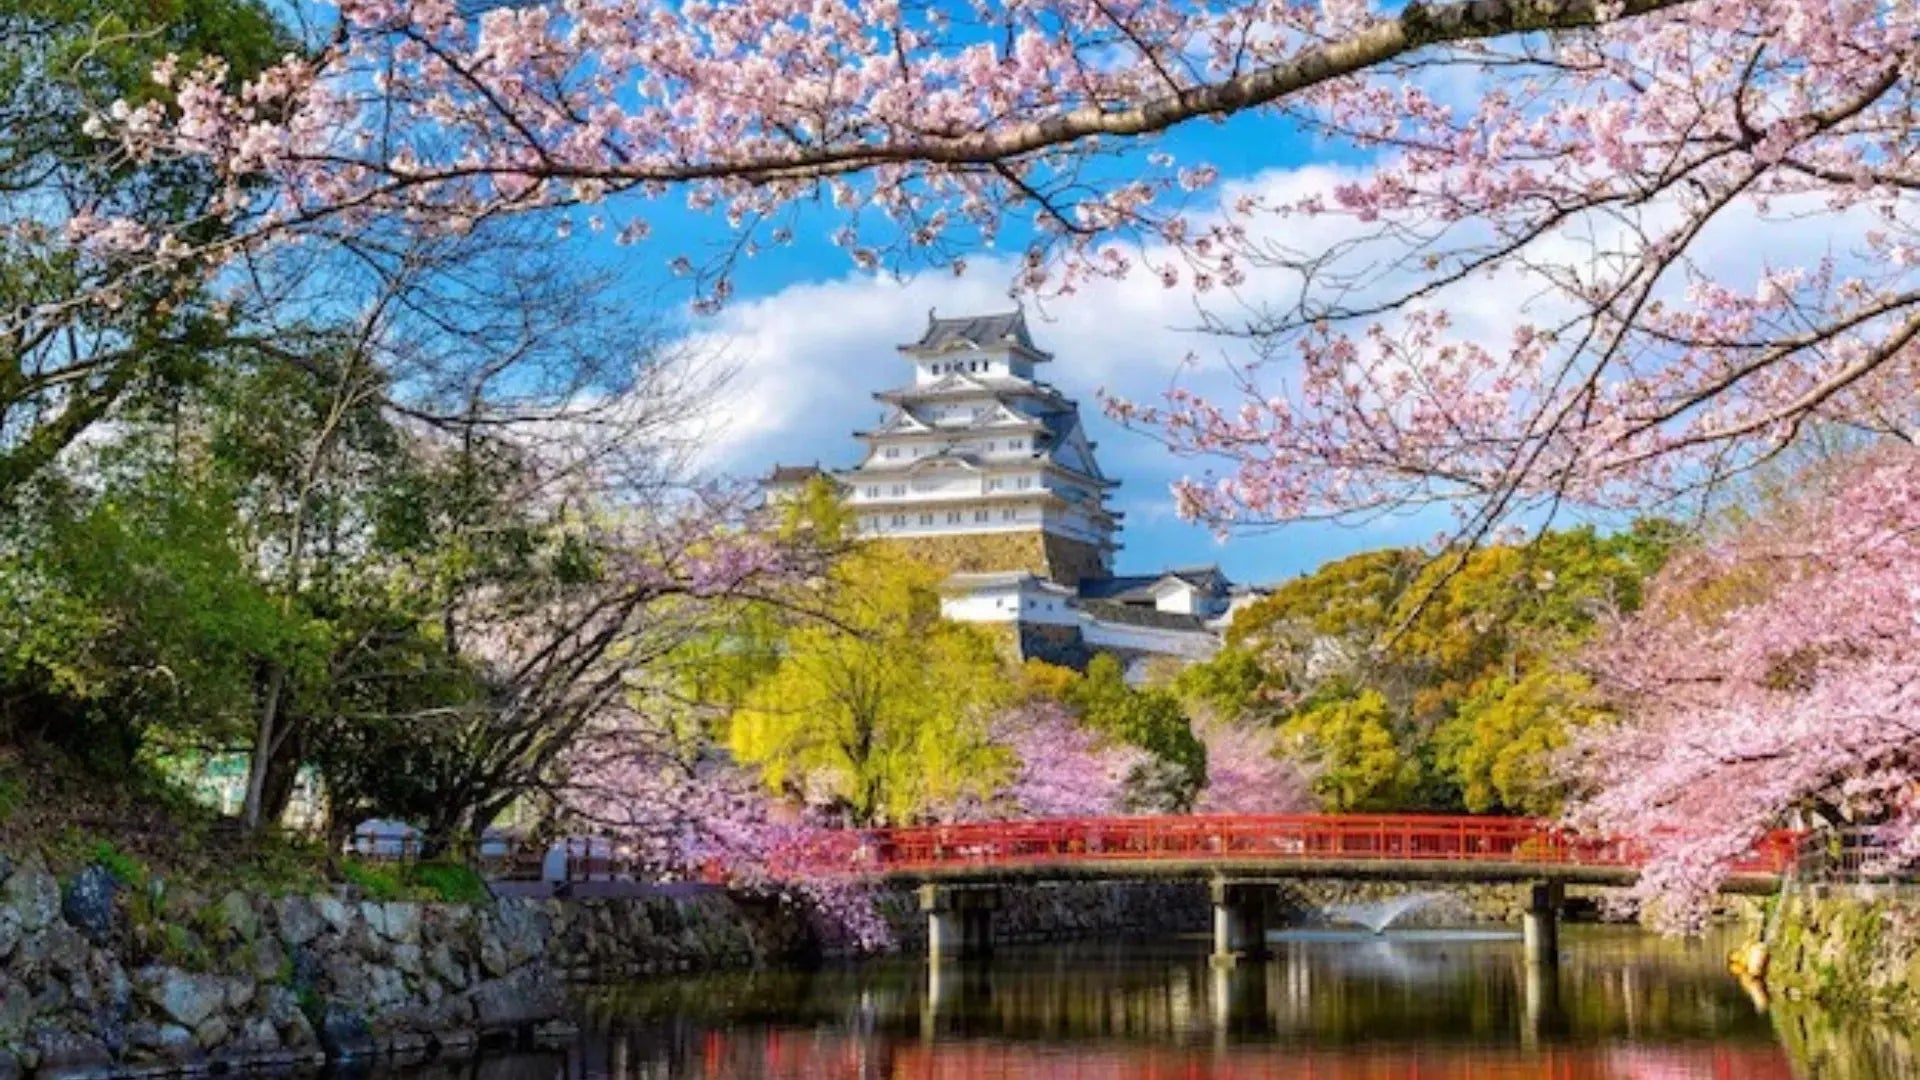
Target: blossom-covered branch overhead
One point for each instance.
(1589, 160)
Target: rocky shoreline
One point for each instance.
(1852, 946)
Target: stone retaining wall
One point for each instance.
(1031, 913)
(1449, 904)
(1855, 946)
(99, 980)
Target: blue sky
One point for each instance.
(810, 338)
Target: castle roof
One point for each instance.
(988, 579)
(794, 474)
(1138, 588)
(997, 331)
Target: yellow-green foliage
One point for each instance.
(1501, 742)
(1347, 596)
(1431, 682)
(1356, 754)
(882, 705)
(818, 513)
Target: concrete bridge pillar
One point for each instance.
(1544, 1020)
(1241, 913)
(959, 920)
(1541, 925)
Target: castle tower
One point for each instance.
(980, 465)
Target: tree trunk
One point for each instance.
(265, 741)
(283, 768)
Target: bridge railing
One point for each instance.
(1854, 856)
(1277, 838)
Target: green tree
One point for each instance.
(880, 707)
(60, 61)
(1499, 744)
(134, 617)
(1233, 683)
(1396, 649)
(1150, 719)
(1359, 761)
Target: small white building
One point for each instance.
(985, 468)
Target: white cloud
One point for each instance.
(808, 356)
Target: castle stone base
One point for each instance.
(1039, 553)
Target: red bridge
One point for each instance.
(1406, 847)
(960, 868)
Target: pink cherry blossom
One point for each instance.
(1772, 679)
(1059, 767)
(1584, 168)
(1246, 775)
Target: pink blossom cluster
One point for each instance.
(1591, 183)
(1060, 767)
(1247, 775)
(1772, 680)
(703, 818)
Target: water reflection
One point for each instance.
(1621, 1005)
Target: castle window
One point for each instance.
(1016, 444)
(873, 491)
(893, 451)
(980, 515)
(1025, 482)
(993, 485)
(899, 489)
(953, 517)
(1009, 514)
(926, 519)
(899, 519)
(989, 446)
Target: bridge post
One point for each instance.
(959, 920)
(1240, 914)
(1541, 924)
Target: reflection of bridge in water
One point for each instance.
(1318, 1009)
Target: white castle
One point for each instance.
(987, 471)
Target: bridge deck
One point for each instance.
(1255, 847)
(1267, 870)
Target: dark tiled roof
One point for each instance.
(1139, 587)
(1202, 577)
(794, 474)
(1114, 588)
(981, 331)
(1132, 615)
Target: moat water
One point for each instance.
(1622, 1005)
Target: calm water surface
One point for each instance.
(1426, 1005)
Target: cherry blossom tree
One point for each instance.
(684, 812)
(1060, 767)
(1770, 681)
(1589, 158)
(1246, 774)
